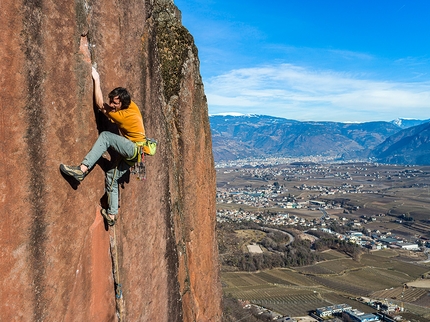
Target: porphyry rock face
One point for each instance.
(56, 262)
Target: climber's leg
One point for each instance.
(105, 140)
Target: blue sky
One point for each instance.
(314, 60)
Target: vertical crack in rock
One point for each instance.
(32, 38)
(174, 305)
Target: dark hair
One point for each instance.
(123, 95)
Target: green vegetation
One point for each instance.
(279, 252)
(326, 241)
(296, 254)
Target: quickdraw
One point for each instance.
(139, 168)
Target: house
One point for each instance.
(355, 233)
(409, 246)
(358, 316)
(388, 240)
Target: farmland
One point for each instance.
(297, 291)
(373, 199)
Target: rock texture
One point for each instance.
(55, 258)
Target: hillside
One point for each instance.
(237, 137)
(59, 262)
(409, 146)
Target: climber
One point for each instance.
(126, 114)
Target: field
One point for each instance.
(295, 292)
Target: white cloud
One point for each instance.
(300, 93)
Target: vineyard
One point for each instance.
(331, 254)
(291, 276)
(330, 267)
(335, 280)
(296, 304)
(341, 286)
(409, 270)
(410, 295)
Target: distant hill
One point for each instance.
(409, 146)
(237, 137)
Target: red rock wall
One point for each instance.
(55, 259)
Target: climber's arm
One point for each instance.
(98, 95)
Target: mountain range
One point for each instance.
(401, 141)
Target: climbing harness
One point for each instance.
(147, 147)
(138, 167)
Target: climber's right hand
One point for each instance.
(95, 74)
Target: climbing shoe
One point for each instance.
(108, 218)
(73, 171)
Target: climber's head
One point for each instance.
(119, 98)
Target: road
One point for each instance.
(290, 237)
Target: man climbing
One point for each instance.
(122, 111)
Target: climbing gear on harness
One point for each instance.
(73, 171)
(138, 167)
(108, 218)
(148, 147)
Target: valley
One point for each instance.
(258, 136)
(376, 217)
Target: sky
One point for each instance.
(314, 60)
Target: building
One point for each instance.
(409, 246)
(327, 311)
(358, 316)
(317, 203)
(353, 233)
(389, 240)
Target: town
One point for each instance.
(277, 195)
